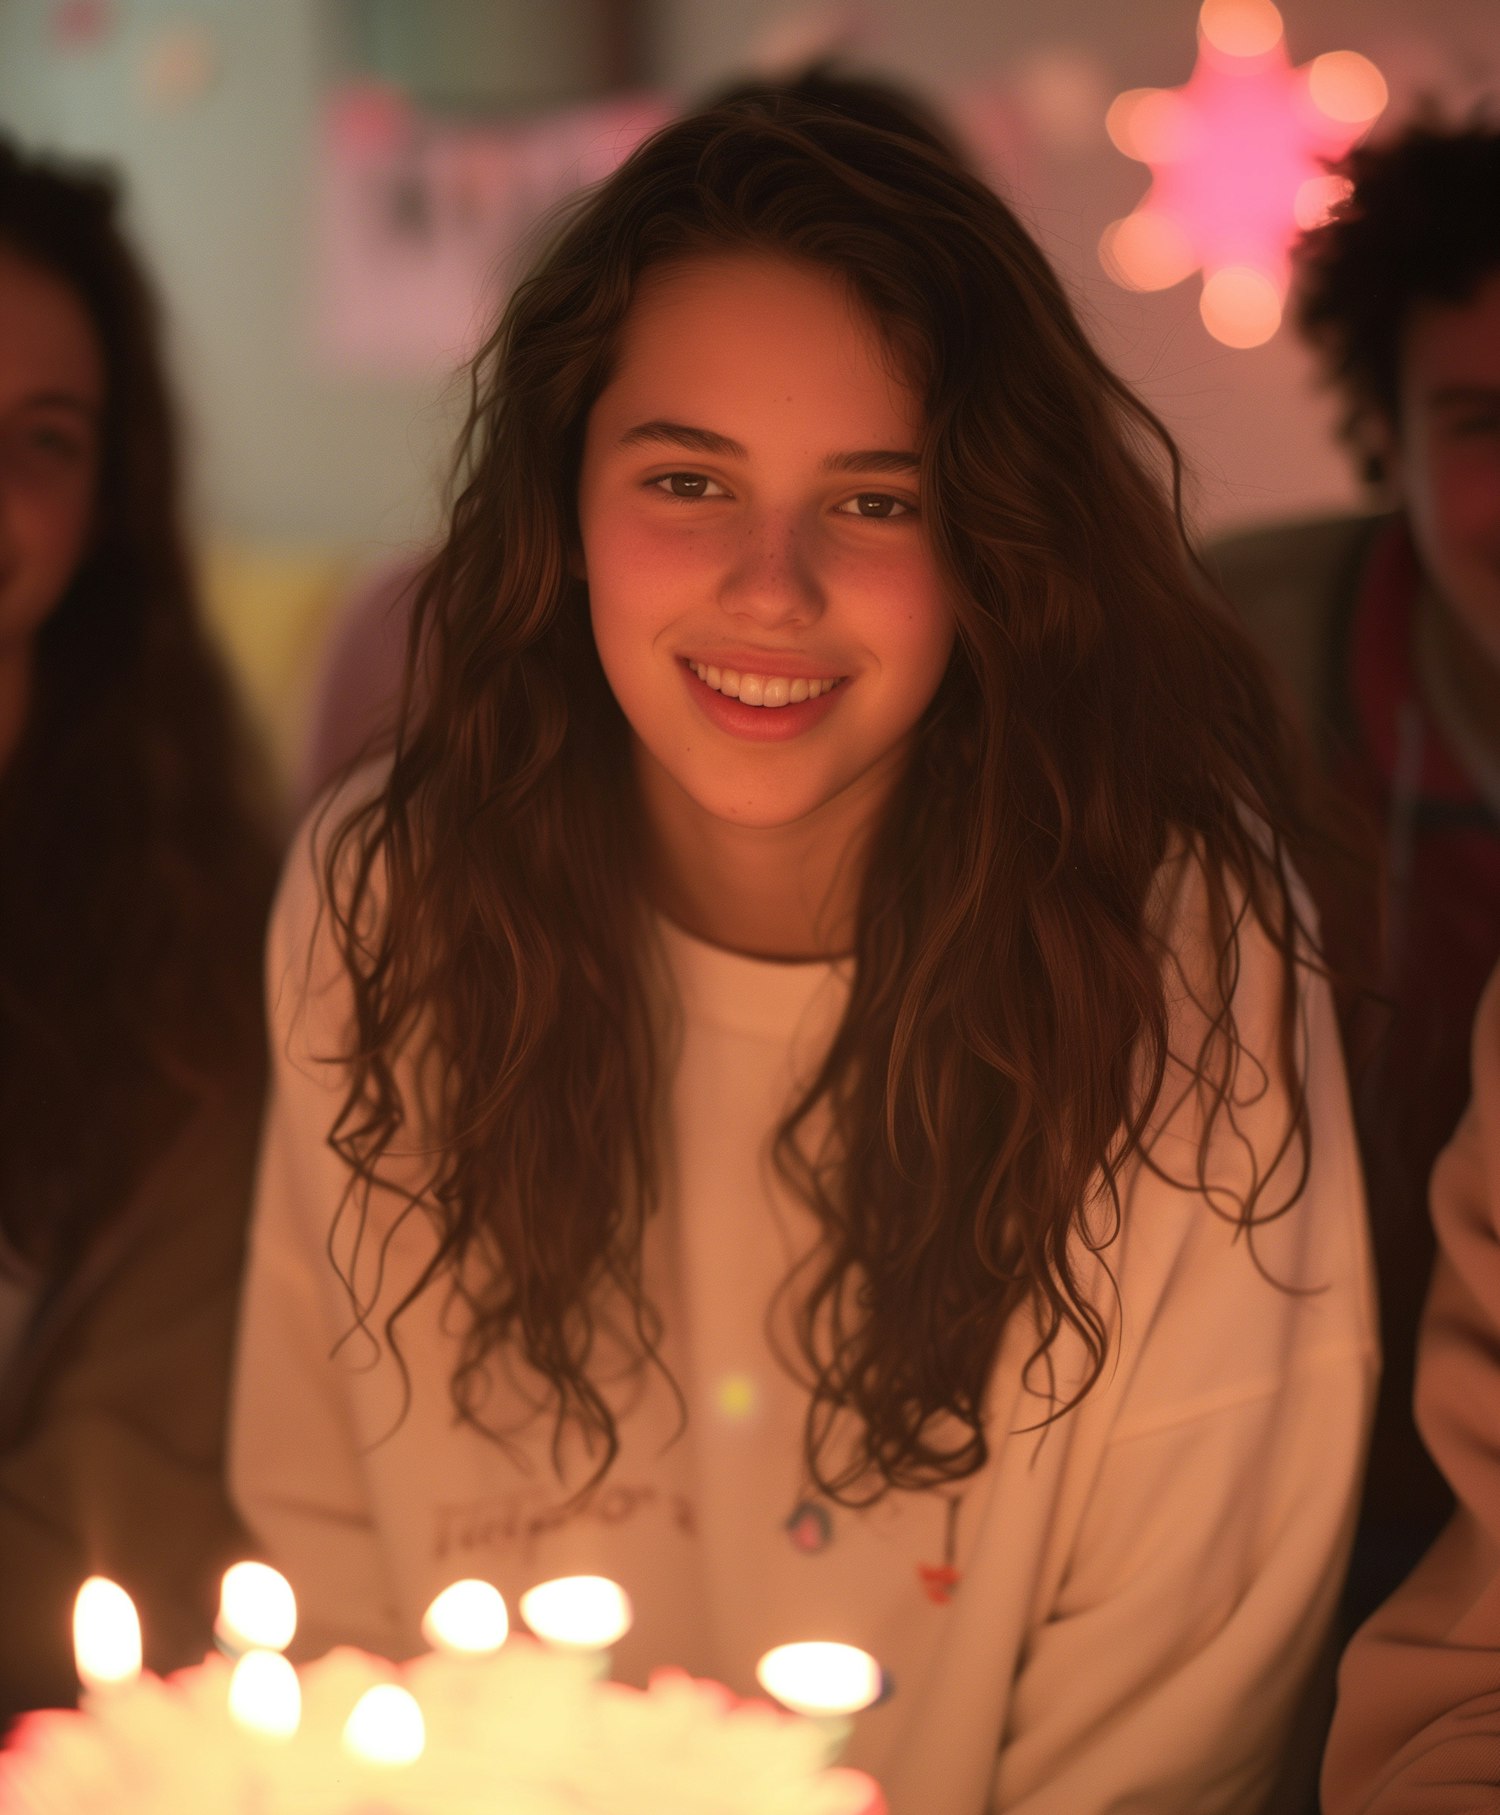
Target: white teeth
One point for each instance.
(760, 689)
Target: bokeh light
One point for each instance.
(1062, 90)
(1240, 28)
(106, 1635)
(385, 1727)
(737, 1397)
(1240, 307)
(1240, 160)
(588, 1613)
(1317, 199)
(1347, 87)
(265, 1696)
(1147, 251)
(256, 1608)
(1148, 124)
(820, 1678)
(468, 1617)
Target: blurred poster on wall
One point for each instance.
(422, 222)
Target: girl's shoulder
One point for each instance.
(1250, 1147)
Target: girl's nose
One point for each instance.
(772, 573)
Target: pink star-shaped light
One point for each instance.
(1237, 158)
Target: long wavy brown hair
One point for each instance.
(136, 866)
(1006, 1037)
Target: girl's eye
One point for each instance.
(57, 443)
(45, 452)
(687, 485)
(880, 505)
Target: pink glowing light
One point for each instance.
(1240, 306)
(1240, 28)
(1347, 87)
(1238, 160)
(1318, 197)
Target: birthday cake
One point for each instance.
(523, 1730)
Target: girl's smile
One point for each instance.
(756, 700)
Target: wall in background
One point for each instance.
(221, 189)
(212, 109)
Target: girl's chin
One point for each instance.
(736, 813)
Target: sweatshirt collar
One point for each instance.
(763, 998)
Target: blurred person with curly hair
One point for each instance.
(136, 876)
(1386, 628)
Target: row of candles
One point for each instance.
(582, 1614)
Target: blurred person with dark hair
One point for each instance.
(1387, 630)
(136, 876)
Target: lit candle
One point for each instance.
(466, 1624)
(824, 1681)
(106, 1635)
(385, 1727)
(578, 1613)
(265, 1696)
(468, 1619)
(257, 1610)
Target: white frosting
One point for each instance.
(525, 1731)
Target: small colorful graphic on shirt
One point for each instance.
(939, 1580)
(810, 1528)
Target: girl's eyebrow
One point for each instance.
(709, 441)
(874, 460)
(678, 434)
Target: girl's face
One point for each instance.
(51, 408)
(764, 600)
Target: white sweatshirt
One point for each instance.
(1121, 1611)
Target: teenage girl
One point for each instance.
(802, 1085)
(135, 875)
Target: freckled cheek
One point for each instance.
(650, 559)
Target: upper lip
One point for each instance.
(788, 664)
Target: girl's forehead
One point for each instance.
(740, 323)
(47, 341)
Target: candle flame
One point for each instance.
(385, 1727)
(587, 1612)
(265, 1696)
(257, 1609)
(106, 1635)
(820, 1678)
(467, 1617)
